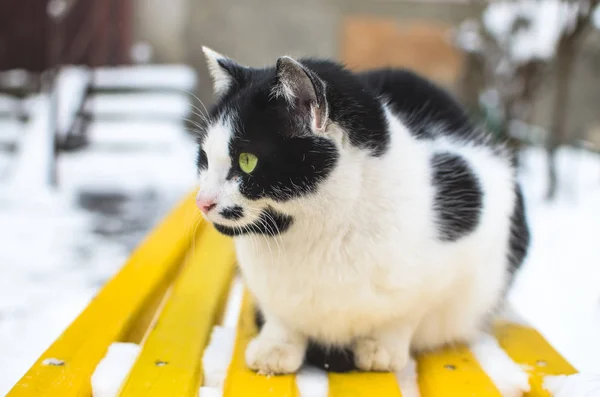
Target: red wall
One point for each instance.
(94, 33)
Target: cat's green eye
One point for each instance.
(248, 162)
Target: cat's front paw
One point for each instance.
(373, 355)
(271, 357)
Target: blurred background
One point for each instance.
(99, 101)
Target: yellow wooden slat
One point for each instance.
(171, 357)
(112, 314)
(363, 384)
(243, 382)
(527, 347)
(453, 372)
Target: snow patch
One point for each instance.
(42, 290)
(14, 78)
(596, 17)
(234, 304)
(408, 380)
(218, 353)
(112, 370)
(312, 382)
(10, 130)
(53, 362)
(508, 377)
(178, 77)
(141, 52)
(71, 88)
(217, 356)
(577, 385)
(468, 37)
(8, 104)
(556, 289)
(131, 105)
(33, 164)
(206, 391)
(135, 134)
(172, 167)
(5, 162)
(542, 25)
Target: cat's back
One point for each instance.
(428, 110)
(470, 180)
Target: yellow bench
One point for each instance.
(170, 294)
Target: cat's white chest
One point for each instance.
(330, 290)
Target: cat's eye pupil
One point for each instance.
(247, 162)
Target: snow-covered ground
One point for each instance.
(558, 289)
(58, 248)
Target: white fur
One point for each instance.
(221, 79)
(215, 186)
(361, 264)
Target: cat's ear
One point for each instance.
(225, 72)
(303, 90)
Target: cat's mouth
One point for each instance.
(269, 223)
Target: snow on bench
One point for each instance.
(15, 79)
(71, 88)
(193, 262)
(33, 162)
(135, 134)
(145, 77)
(9, 131)
(9, 105)
(107, 167)
(129, 105)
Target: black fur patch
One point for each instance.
(288, 165)
(201, 160)
(349, 104)
(270, 223)
(232, 213)
(240, 76)
(357, 110)
(330, 359)
(428, 110)
(519, 232)
(291, 163)
(458, 198)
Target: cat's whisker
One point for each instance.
(197, 99)
(276, 236)
(269, 231)
(194, 123)
(250, 235)
(198, 112)
(198, 222)
(265, 238)
(194, 96)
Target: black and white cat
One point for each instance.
(368, 212)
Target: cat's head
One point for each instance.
(275, 138)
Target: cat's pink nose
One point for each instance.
(205, 205)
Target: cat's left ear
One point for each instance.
(225, 72)
(304, 92)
